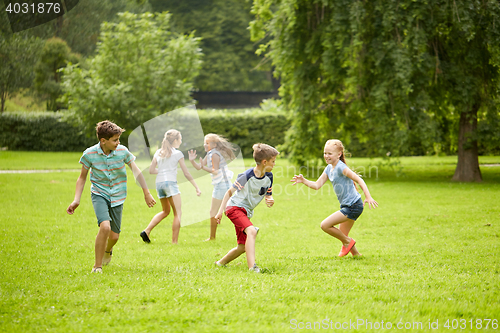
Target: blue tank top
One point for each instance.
(342, 185)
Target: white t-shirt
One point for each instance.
(167, 166)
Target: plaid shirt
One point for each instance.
(108, 174)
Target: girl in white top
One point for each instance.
(219, 153)
(344, 182)
(166, 159)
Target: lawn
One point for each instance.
(431, 256)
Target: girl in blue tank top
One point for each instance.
(344, 182)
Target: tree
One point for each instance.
(80, 26)
(55, 55)
(378, 71)
(141, 70)
(229, 54)
(18, 55)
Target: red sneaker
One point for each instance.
(346, 249)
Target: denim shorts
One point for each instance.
(353, 211)
(220, 190)
(167, 189)
(104, 212)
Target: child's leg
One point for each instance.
(250, 245)
(175, 202)
(100, 242)
(112, 239)
(328, 226)
(233, 254)
(165, 205)
(345, 227)
(214, 208)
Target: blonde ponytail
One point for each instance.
(168, 140)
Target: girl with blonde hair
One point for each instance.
(343, 180)
(219, 153)
(164, 164)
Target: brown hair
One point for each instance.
(168, 139)
(106, 129)
(261, 152)
(221, 144)
(340, 147)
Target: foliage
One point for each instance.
(18, 55)
(55, 55)
(229, 55)
(391, 76)
(80, 27)
(141, 69)
(46, 131)
(245, 128)
(40, 131)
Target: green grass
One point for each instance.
(431, 252)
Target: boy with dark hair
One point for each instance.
(250, 187)
(108, 176)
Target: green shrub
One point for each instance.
(48, 131)
(247, 127)
(40, 131)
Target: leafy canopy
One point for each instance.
(386, 75)
(141, 70)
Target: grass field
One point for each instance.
(430, 255)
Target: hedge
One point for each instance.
(40, 131)
(246, 128)
(48, 131)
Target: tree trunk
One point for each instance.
(3, 97)
(468, 162)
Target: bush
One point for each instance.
(41, 131)
(49, 131)
(245, 128)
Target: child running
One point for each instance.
(250, 187)
(219, 153)
(167, 159)
(108, 177)
(351, 205)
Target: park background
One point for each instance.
(411, 88)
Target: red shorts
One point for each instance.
(239, 217)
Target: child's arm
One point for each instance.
(80, 185)
(228, 195)
(368, 198)
(152, 168)
(203, 163)
(138, 175)
(269, 201)
(188, 176)
(314, 185)
(192, 157)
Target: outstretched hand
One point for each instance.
(192, 154)
(371, 203)
(297, 179)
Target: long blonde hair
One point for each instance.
(221, 144)
(168, 140)
(338, 146)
